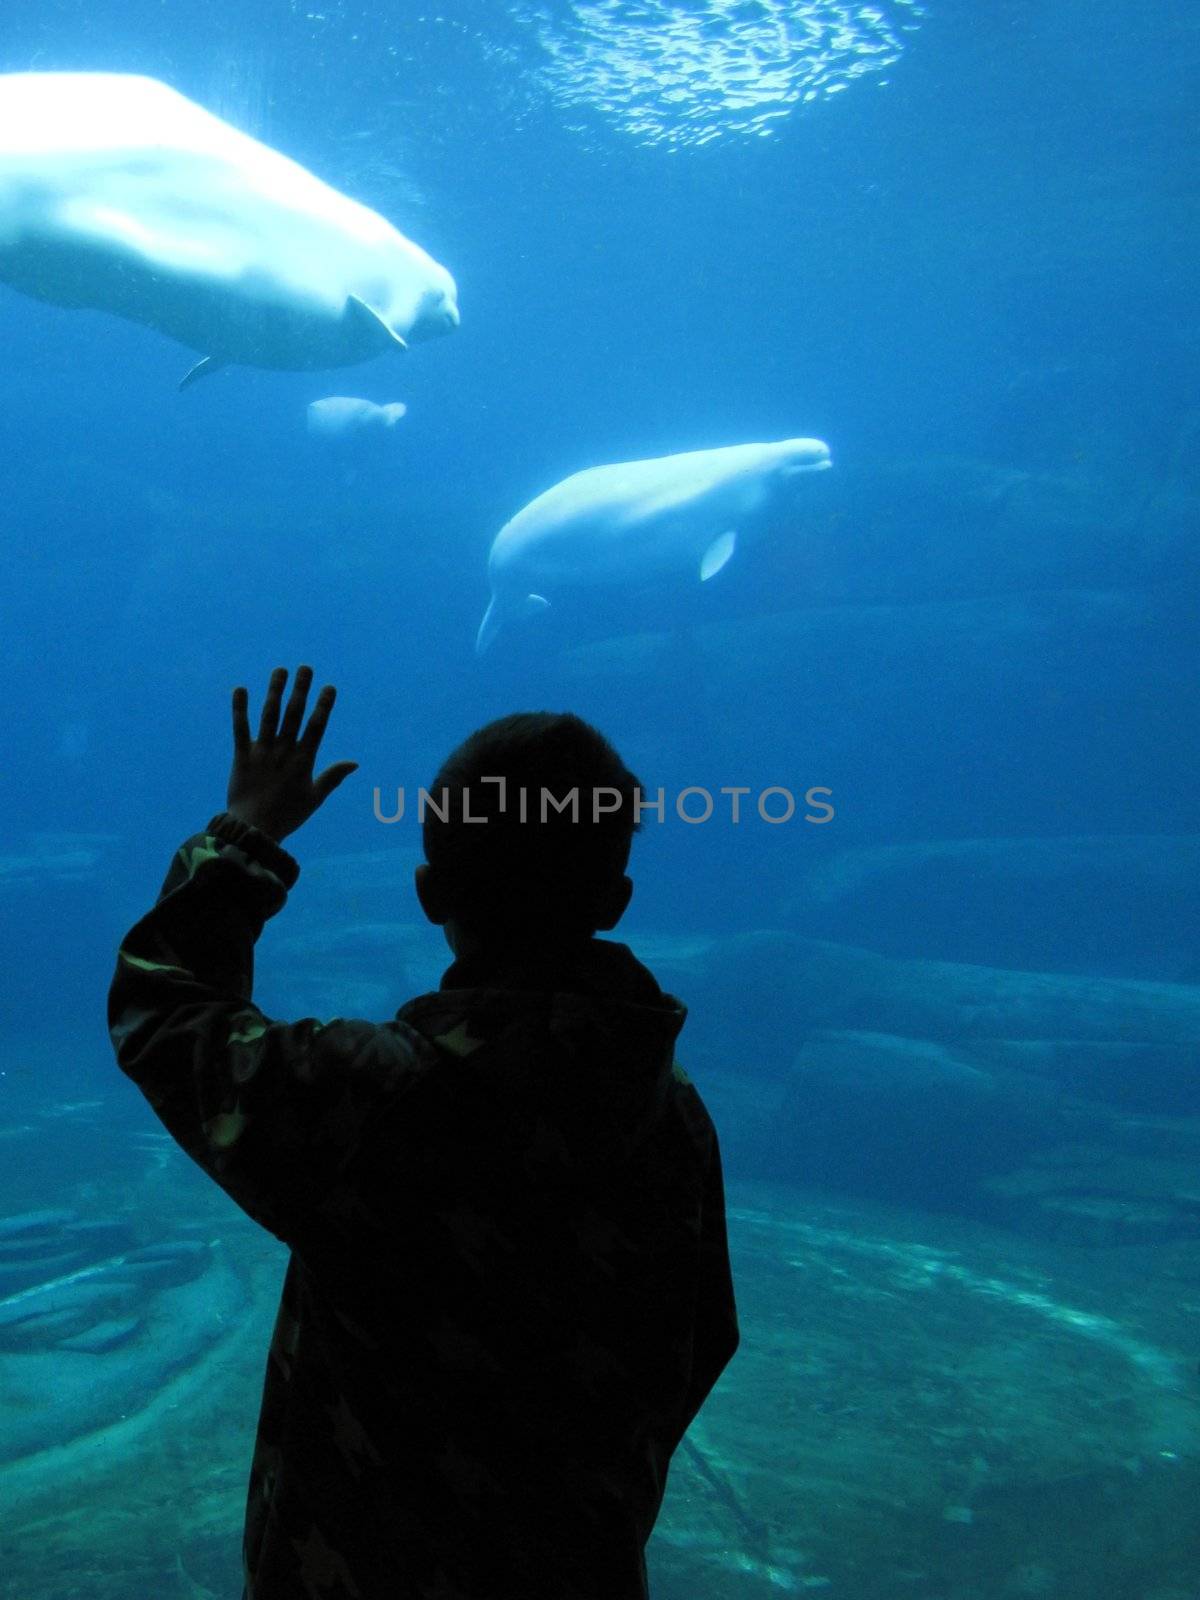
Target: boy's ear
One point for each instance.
(612, 906)
(429, 894)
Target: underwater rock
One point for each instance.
(920, 1081)
(1022, 901)
(57, 1291)
(42, 1316)
(1097, 1195)
(1157, 1079)
(932, 1084)
(37, 1246)
(96, 1364)
(56, 858)
(68, 1304)
(912, 1120)
(360, 969)
(756, 997)
(936, 527)
(102, 1337)
(30, 1226)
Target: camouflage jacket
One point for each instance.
(508, 1290)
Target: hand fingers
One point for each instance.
(270, 710)
(294, 714)
(241, 724)
(315, 731)
(331, 777)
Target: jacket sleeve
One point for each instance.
(271, 1110)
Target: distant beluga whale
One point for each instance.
(343, 416)
(636, 521)
(119, 194)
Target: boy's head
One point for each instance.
(528, 834)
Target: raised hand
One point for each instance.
(271, 784)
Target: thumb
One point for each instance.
(328, 781)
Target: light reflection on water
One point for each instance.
(686, 74)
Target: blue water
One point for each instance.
(961, 248)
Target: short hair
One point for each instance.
(534, 862)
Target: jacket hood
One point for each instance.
(567, 1058)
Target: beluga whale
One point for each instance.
(635, 522)
(119, 194)
(343, 416)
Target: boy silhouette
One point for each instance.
(508, 1292)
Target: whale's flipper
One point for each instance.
(496, 615)
(717, 554)
(357, 307)
(203, 369)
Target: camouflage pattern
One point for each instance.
(508, 1291)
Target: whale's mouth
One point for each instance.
(815, 459)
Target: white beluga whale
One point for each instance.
(119, 194)
(341, 416)
(637, 521)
